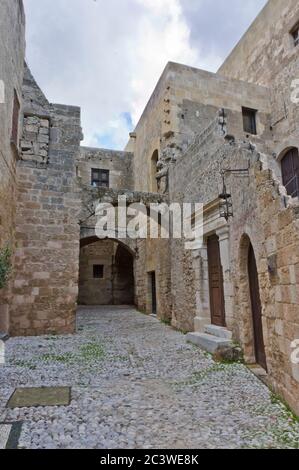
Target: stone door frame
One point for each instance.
(213, 225)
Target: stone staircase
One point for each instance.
(213, 339)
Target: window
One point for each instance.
(98, 271)
(15, 120)
(290, 172)
(249, 120)
(154, 170)
(100, 178)
(295, 34)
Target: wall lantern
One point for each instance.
(226, 204)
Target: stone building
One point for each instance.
(12, 52)
(228, 140)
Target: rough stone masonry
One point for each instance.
(196, 125)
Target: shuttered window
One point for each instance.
(290, 172)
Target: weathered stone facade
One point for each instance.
(192, 134)
(12, 52)
(45, 280)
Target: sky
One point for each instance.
(107, 55)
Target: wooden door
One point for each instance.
(216, 282)
(290, 172)
(256, 306)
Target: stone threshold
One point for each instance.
(260, 373)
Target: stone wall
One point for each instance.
(12, 52)
(267, 56)
(153, 256)
(45, 282)
(119, 164)
(263, 216)
(267, 47)
(183, 104)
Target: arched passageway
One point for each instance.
(106, 275)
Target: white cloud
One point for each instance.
(162, 35)
(107, 56)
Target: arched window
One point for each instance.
(290, 172)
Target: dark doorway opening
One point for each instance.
(153, 287)
(216, 282)
(256, 306)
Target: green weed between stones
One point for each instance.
(277, 400)
(87, 353)
(66, 358)
(90, 352)
(198, 377)
(284, 431)
(5, 266)
(25, 364)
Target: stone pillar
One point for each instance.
(223, 235)
(200, 264)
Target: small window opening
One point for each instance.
(249, 120)
(295, 34)
(15, 120)
(98, 271)
(100, 178)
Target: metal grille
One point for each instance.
(100, 178)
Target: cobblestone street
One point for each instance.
(136, 383)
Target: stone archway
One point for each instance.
(106, 272)
(250, 308)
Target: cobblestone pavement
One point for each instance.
(136, 383)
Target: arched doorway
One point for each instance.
(256, 308)
(106, 273)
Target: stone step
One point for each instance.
(218, 331)
(208, 342)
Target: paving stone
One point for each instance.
(41, 396)
(137, 383)
(4, 434)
